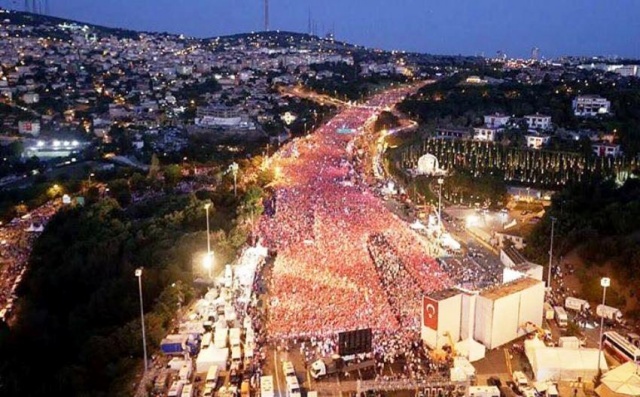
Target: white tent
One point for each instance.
(623, 381)
(558, 363)
(210, 357)
(471, 349)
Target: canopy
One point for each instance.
(558, 363)
(623, 381)
(471, 349)
(211, 356)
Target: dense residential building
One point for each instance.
(486, 134)
(496, 120)
(453, 132)
(606, 149)
(535, 140)
(538, 121)
(590, 105)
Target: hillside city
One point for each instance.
(286, 214)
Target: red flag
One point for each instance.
(430, 313)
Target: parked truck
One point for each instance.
(332, 365)
(576, 304)
(609, 313)
(561, 317)
(484, 391)
(174, 344)
(548, 311)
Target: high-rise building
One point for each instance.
(535, 54)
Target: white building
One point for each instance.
(441, 318)
(590, 105)
(605, 149)
(538, 121)
(502, 311)
(184, 70)
(31, 98)
(486, 134)
(537, 141)
(29, 127)
(496, 120)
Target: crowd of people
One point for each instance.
(16, 240)
(403, 294)
(324, 279)
(469, 274)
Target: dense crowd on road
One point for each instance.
(469, 274)
(324, 280)
(16, 242)
(403, 294)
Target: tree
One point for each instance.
(138, 182)
(252, 203)
(119, 189)
(16, 148)
(154, 168)
(172, 175)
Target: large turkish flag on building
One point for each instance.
(430, 313)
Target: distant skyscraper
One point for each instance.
(266, 15)
(535, 53)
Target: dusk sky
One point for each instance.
(557, 27)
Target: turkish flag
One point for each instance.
(430, 313)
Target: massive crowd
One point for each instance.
(16, 241)
(324, 279)
(403, 294)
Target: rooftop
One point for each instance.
(500, 291)
(515, 255)
(444, 294)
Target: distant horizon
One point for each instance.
(408, 25)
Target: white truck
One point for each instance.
(176, 388)
(234, 337)
(548, 311)
(293, 387)
(187, 390)
(266, 386)
(609, 313)
(332, 365)
(484, 391)
(576, 304)
(288, 369)
(561, 317)
(521, 381)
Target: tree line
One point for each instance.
(77, 330)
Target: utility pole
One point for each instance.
(138, 274)
(553, 222)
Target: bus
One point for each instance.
(620, 347)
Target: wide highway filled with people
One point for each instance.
(322, 221)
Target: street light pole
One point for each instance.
(206, 208)
(208, 261)
(553, 222)
(440, 182)
(604, 282)
(144, 338)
